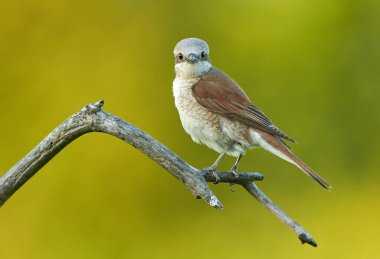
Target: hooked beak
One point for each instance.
(192, 58)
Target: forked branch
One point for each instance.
(93, 119)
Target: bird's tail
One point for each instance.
(276, 146)
(310, 172)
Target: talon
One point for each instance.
(235, 172)
(214, 172)
(217, 178)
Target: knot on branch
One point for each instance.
(93, 107)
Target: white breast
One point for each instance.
(202, 125)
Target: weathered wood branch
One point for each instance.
(93, 119)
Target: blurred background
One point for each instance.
(101, 198)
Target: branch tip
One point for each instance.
(215, 203)
(306, 238)
(99, 103)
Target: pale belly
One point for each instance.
(209, 128)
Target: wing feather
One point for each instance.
(218, 93)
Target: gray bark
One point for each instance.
(93, 119)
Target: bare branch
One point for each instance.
(93, 119)
(231, 178)
(293, 225)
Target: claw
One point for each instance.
(235, 173)
(214, 172)
(217, 178)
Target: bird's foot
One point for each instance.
(214, 172)
(235, 172)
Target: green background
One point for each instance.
(311, 66)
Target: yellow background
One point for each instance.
(311, 66)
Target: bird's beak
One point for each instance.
(192, 58)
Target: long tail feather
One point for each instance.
(274, 145)
(310, 172)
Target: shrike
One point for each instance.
(216, 112)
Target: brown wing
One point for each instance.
(218, 93)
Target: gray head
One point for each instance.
(192, 58)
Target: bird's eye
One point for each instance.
(203, 54)
(180, 56)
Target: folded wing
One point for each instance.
(218, 93)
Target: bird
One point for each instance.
(215, 111)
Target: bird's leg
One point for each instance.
(236, 165)
(234, 170)
(213, 167)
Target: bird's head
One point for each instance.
(192, 58)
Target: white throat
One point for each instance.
(186, 70)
